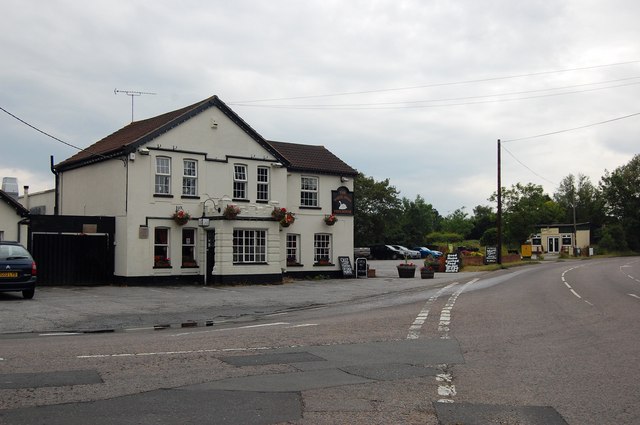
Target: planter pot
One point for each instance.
(329, 223)
(181, 221)
(426, 274)
(406, 271)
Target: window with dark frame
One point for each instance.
(322, 248)
(249, 246)
(190, 177)
(239, 181)
(309, 191)
(163, 176)
(189, 247)
(567, 240)
(293, 248)
(161, 257)
(263, 184)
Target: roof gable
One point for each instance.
(20, 210)
(137, 133)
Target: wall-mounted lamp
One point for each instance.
(277, 164)
(143, 151)
(344, 179)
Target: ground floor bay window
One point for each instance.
(249, 246)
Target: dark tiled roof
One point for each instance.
(127, 139)
(117, 143)
(312, 158)
(20, 210)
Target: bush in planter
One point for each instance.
(406, 269)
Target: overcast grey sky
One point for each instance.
(414, 91)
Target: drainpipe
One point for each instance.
(56, 193)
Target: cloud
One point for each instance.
(65, 58)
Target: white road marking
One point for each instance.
(573, 291)
(60, 334)
(634, 296)
(414, 329)
(168, 353)
(445, 315)
(232, 329)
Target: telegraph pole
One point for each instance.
(499, 214)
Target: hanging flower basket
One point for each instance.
(181, 217)
(231, 212)
(330, 220)
(287, 220)
(283, 216)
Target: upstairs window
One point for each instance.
(163, 176)
(309, 191)
(190, 177)
(263, 184)
(239, 181)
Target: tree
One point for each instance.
(524, 206)
(621, 192)
(418, 219)
(580, 197)
(457, 222)
(377, 211)
(483, 219)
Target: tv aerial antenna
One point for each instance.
(132, 94)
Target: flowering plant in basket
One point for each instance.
(231, 211)
(285, 217)
(181, 217)
(330, 220)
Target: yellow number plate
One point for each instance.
(8, 274)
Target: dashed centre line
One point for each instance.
(573, 291)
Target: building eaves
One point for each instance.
(17, 206)
(313, 159)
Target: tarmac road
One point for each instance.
(112, 308)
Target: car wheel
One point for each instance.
(28, 293)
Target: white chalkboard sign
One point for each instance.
(491, 255)
(452, 263)
(345, 265)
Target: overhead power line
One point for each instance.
(406, 106)
(472, 81)
(572, 129)
(49, 135)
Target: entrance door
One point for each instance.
(211, 255)
(553, 243)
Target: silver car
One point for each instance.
(409, 253)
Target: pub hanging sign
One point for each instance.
(342, 201)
